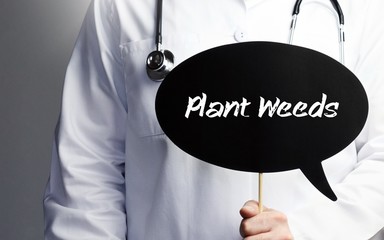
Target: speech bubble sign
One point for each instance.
(263, 107)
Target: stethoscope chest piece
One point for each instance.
(159, 64)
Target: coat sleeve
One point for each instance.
(85, 195)
(358, 213)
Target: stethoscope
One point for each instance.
(160, 62)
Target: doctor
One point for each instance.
(115, 175)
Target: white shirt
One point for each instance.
(115, 175)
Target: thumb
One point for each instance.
(250, 209)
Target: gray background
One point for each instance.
(36, 40)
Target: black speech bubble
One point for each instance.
(263, 144)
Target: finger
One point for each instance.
(250, 209)
(261, 236)
(270, 236)
(271, 224)
(253, 226)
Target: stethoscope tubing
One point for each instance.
(159, 27)
(337, 7)
(166, 66)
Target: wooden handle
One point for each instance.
(260, 192)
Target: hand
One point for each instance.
(267, 225)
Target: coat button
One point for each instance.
(241, 35)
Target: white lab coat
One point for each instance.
(115, 175)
